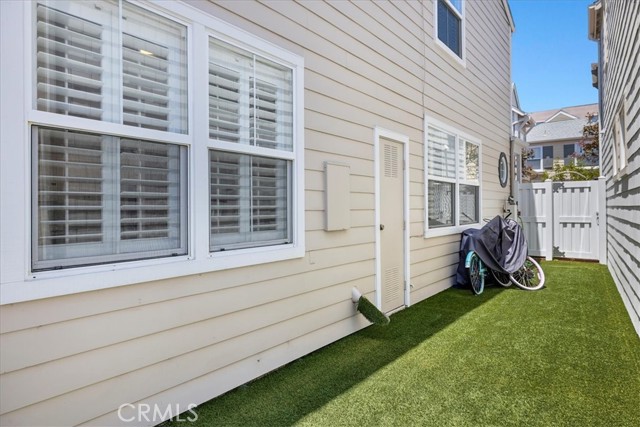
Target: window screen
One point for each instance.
(101, 198)
(250, 198)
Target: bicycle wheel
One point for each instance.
(501, 278)
(476, 275)
(530, 277)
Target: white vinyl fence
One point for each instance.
(565, 219)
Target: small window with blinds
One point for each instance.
(96, 62)
(250, 200)
(453, 170)
(250, 99)
(100, 199)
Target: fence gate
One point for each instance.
(562, 219)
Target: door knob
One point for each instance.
(381, 226)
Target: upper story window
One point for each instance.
(450, 25)
(452, 173)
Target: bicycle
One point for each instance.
(528, 276)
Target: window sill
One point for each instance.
(49, 284)
(621, 173)
(450, 55)
(447, 231)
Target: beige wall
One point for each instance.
(74, 359)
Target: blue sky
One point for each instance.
(551, 54)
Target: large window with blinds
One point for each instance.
(98, 197)
(452, 174)
(251, 140)
(144, 140)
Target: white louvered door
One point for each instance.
(391, 224)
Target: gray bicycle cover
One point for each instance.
(500, 244)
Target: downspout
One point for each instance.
(524, 126)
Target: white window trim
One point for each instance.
(17, 281)
(445, 231)
(619, 145)
(458, 60)
(541, 159)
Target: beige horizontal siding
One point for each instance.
(186, 340)
(200, 389)
(171, 372)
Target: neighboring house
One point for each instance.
(556, 137)
(611, 23)
(190, 190)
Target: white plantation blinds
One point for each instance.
(249, 200)
(154, 82)
(441, 165)
(224, 104)
(250, 99)
(69, 189)
(263, 116)
(70, 54)
(251, 105)
(101, 198)
(441, 154)
(453, 174)
(94, 64)
(112, 137)
(149, 190)
(469, 182)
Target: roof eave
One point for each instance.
(507, 10)
(595, 20)
(568, 138)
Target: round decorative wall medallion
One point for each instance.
(503, 170)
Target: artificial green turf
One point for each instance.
(566, 355)
(371, 312)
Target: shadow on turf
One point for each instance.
(288, 394)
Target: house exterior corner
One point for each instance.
(610, 22)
